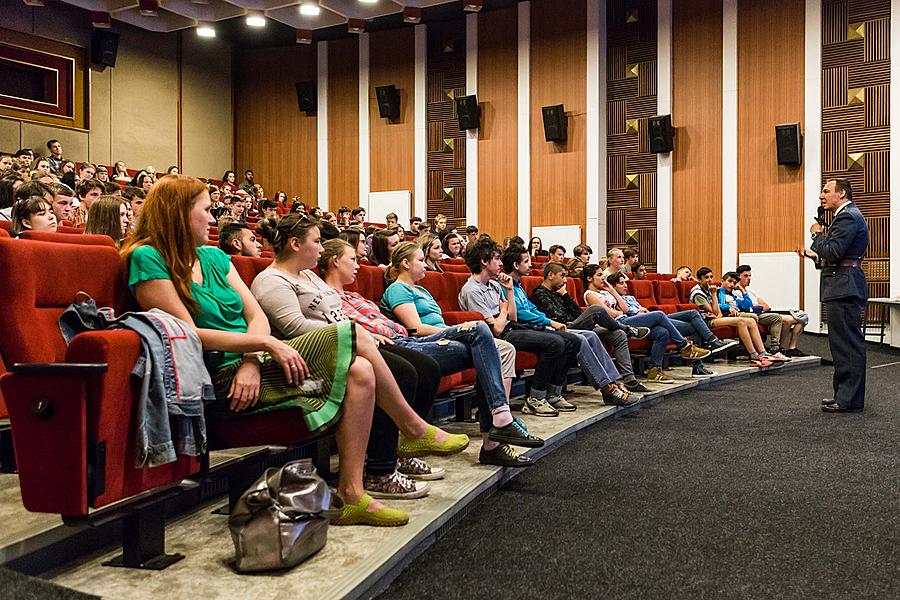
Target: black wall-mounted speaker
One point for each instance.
(468, 113)
(661, 133)
(306, 96)
(388, 101)
(104, 47)
(556, 123)
(789, 142)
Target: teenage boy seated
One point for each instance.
(238, 239)
(87, 190)
(490, 292)
(791, 327)
(557, 252)
(702, 295)
(269, 209)
(615, 263)
(689, 323)
(731, 302)
(391, 220)
(639, 271)
(602, 290)
(552, 299)
(682, 274)
(631, 259)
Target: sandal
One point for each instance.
(357, 514)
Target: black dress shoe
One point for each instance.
(834, 407)
(503, 456)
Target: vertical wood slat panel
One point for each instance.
(272, 136)
(770, 197)
(343, 122)
(392, 144)
(697, 113)
(498, 134)
(558, 76)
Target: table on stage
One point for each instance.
(884, 314)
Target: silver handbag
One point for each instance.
(283, 518)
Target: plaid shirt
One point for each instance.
(366, 313)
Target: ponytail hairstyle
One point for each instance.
(279, 230)
(335, 248)
(403, 251)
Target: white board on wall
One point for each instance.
(568, 236)
(776, 277)
(382, 203)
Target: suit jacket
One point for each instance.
(846, 239)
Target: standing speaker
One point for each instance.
(556, 123)
(789, 142)
(661, 133)
(468, 113)
(104, 47)
(306, 96)
(388, 101)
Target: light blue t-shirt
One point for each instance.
(399, 293)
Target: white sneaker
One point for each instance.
(539, 408)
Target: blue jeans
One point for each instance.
(456, 350)
(691, 322)
(595, 360)
(662, 331)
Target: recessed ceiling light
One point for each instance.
(310, 8)
(368, 1)
(256, 19)
(206, 30)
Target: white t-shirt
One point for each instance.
(605, 297)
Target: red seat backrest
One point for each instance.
(454, 283)
(4, 232)
(540, 259)
(684, 290)
(642, 290)
(370, 283)
(529, 282)
(666, 292)
(5, 225)
(68, 229)
(434, 283)
(451, 268)
(33, 298)
(575, 285)
(453, 261)
(248, 267)
(68, 238)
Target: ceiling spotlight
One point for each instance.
(34, 2)
(149, 8)
(356, 25)
(256, 19)
(368, 1)
(472, 5)
(310, 7)
(205, 30)
(101, 20)
(412, 14)
(304, 36)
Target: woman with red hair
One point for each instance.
(170, 268)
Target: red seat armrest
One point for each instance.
(455, 317)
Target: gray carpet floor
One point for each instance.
(745, 490)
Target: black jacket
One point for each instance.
(846, 239)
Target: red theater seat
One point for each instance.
(4, 232)
(68, 238)
(5, 225)
(249, 267)
(453, 261)
(452, 268)
(68, 229)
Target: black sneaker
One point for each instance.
(795, 352)
(717, 345)
(699, 371)
(516, 434)
(638, 333)
(637, 386)
(503, 456)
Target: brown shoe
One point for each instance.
(692, 352)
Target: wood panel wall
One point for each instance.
(558, 76)
(272, 136)
(770, 84)
(631, 98)
(445, 80)
(697, 115)
(855, 118)
(498, 135)
(343, 122)
(392, 144)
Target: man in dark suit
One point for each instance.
(843, 290)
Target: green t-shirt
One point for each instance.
(399, 293)
(220, 306)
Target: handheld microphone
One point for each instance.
(820, 218)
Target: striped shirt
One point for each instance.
(366, 313)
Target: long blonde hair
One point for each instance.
(403, 251)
